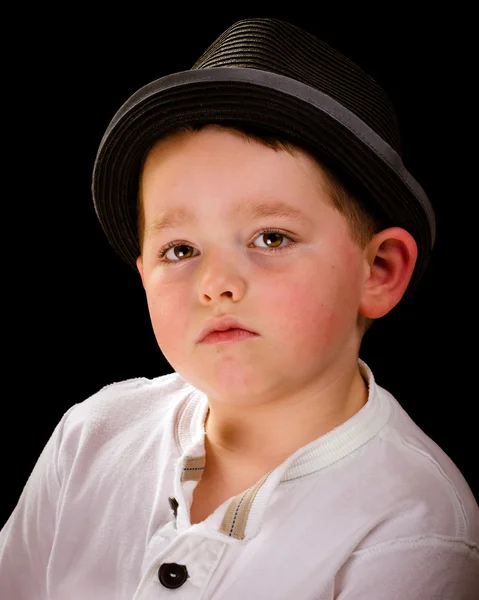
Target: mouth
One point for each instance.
(228, 336)
(225, 330)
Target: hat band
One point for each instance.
(301, 92)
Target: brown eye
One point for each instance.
(183, 251)
(176, 253)
(275, 239)
(271, 239)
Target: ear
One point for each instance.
(139, 266)
(391, 256)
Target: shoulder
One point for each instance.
(418, 483)
(125, 409)
(133, 398)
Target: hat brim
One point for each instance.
(281, 105)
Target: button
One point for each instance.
(173, 505)
(172, 575)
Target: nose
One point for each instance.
(221, 278)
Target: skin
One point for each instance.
(299, 378)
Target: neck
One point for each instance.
(261, 437)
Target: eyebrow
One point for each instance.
(178, 216)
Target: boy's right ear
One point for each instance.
(139, 266)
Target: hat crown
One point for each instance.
(285, 49)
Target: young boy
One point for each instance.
(262, 198)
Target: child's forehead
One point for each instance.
(266, 181)
(192, 145)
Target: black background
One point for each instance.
(75, 316)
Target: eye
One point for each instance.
(272, 239)
(178, 252)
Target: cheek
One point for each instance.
(168, 317)
(316, 308)
(299, 314)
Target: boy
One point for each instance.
(262, 198)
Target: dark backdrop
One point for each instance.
(75, 316)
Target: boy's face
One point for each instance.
(301, 299)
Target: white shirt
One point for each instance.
(373, 510)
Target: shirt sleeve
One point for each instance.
(418, 568)
(26, 538)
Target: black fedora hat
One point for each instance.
(270, 74)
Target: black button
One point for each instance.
(173, 505)
(172, 575)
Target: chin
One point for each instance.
(229, 383)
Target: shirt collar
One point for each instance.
(318, 454)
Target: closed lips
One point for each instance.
(222, 325)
